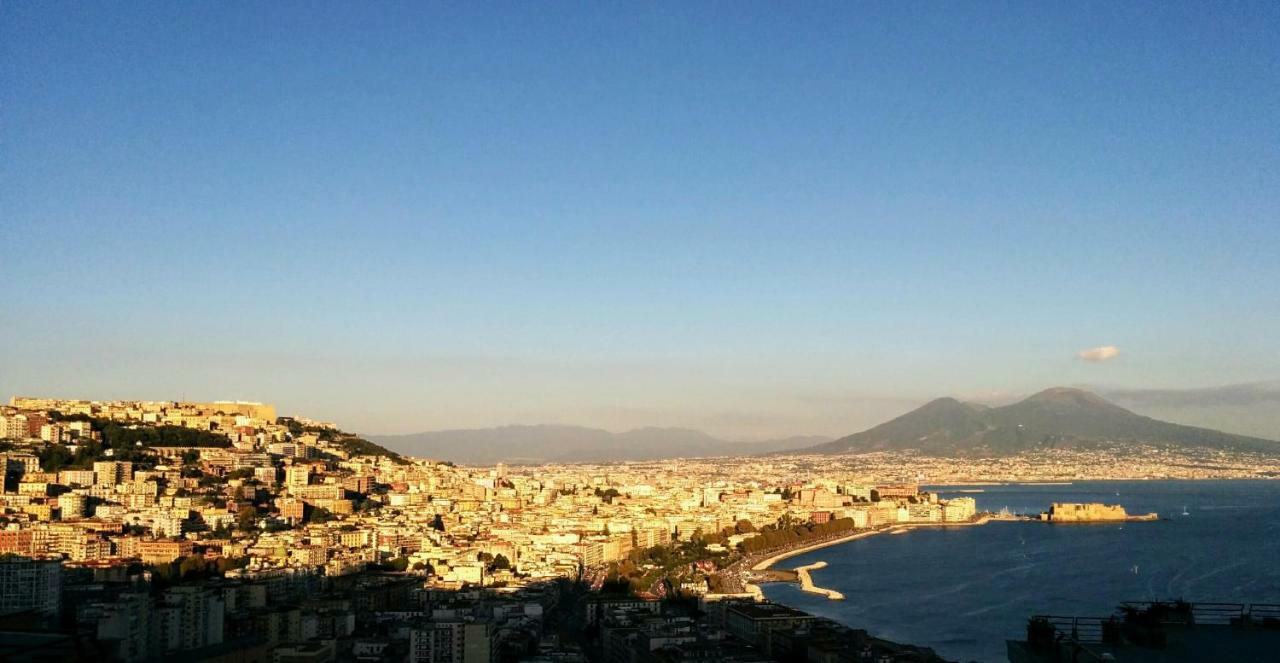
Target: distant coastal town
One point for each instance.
(149, 530)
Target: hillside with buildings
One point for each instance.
(161, 530)
(156, 530)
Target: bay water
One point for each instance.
(964, 591)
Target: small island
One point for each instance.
(1070, 512)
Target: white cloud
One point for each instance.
(1100, 353)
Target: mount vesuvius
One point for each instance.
(1057, 417)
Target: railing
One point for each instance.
(1089, 629)
(1078, 629)
(1078, 637)
(1200, 613)
(1260, 612)
(1218, 613)
(1075, 637)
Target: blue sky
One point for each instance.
(748, 218)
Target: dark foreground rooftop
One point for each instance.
(1159, 632)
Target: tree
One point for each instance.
(500, 562)
(295, 426)
(615, 584)
(247, 518)
(319, 515)
(54, 457)
(225, 564)
(191, 568)
(437, 523)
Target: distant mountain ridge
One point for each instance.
(560, 443)
(1056, 417)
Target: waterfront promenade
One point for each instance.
(901, 527)
(767, 562)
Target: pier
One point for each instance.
(806, 582)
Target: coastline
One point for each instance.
(902, 527)
(866, 574)
(806, 582)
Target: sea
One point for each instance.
(965, 591)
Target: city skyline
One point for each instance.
(568, 332)
(793, 223)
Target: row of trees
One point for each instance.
(122, 442)
(493, 563)
(193, 569)
(358, 446)
(785, 533)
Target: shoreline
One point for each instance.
(803, 572)
(764, 564)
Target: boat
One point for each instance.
(1184, 511)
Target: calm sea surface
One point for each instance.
(964, 591)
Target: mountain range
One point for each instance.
(1057, 417)
(556, 443)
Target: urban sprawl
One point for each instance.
(220, 531)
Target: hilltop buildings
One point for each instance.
(287, 537)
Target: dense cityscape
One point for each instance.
(221, 531)
(674, 332)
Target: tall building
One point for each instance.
(16, 466)
(112, 472)
(14, 427)
(128, 628)
(53, 433)
(192, 617)
(30, 584)
(452, 642)
(296, 476)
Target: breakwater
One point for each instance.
(806, 582)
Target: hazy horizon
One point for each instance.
(758, 223)
(1243, 409)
